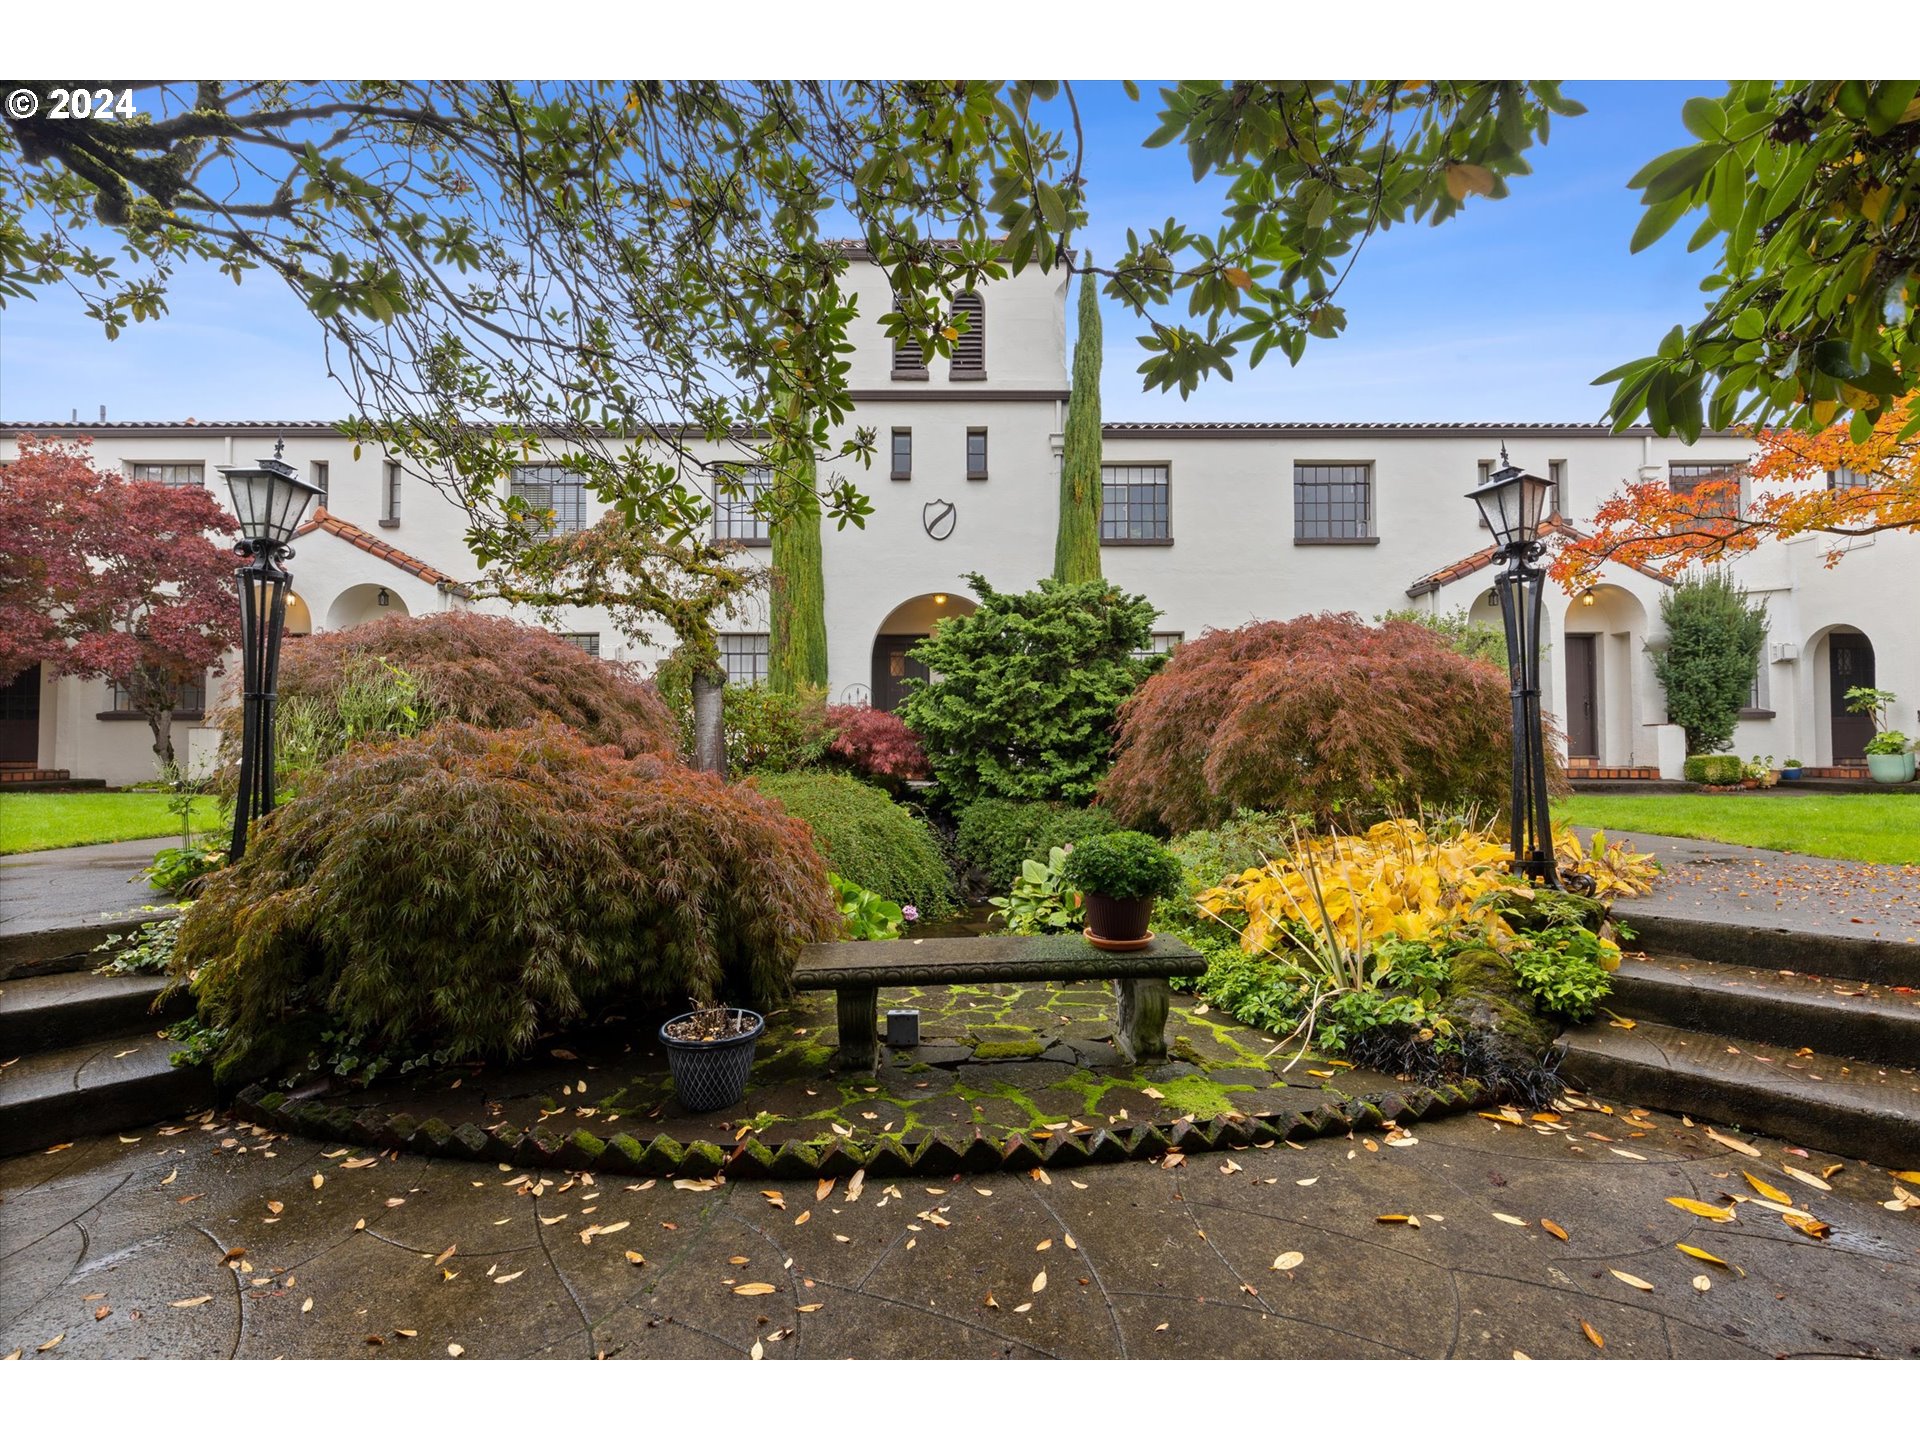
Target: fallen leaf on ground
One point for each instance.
(1599, 1342)
(1397, 1220)
(1044, 1245)
(1805, 1179)
(456, 1351)
(1553, 1230)
(1521, 1355)
(1717, 1213)
(1311, 1179)
(103, 1312)
(1509, 1219)
(1634, 1280)
(1912, 1177)
(710, 1184)
(1287, 1261)
(1697, 1253)
(754, 1287)
(855, 1185)
(803, 1217)
(1702, 1283)
(634, 1257)
(1807, 1225)
(1772, 1192)
(809, 1309)
(775, 1199)
(1229, 1167)
(47, 1345)
(318, 1180)
(189, 1304)
(503, 1279)
(1739, 1146)
(1626, 1153)
(306, 1305)
(1039, 1282)
(360, 1164)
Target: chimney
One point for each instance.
(76, 414)
(103, 414)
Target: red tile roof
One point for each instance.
(1481, 559)
(324, 519)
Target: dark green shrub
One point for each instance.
(1029, 686)
(996, 836)
(868, 839)
(1713, 769)
(1706, 663)
(1124, 865)
(466, 891)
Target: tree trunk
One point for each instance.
(161, 723)
(709, 730)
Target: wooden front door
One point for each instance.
(1849, 663)
(20, 719)
(893, 668)
(1583, 715)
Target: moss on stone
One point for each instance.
(1196, 1095)
(587, 1143)
(628, 1150)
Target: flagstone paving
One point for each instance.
(216, 1241)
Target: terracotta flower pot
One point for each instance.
(1123, 920)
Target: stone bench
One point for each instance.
(856, 970)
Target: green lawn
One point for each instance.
(53, 819)
(1885, 828)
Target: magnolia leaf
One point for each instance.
(1634, 1280)
(1697, 1253)
(1553, 1230)
(1510, 1219)
(1718, 1214)
(1599, 1343)
(1739, 1146)
(1806, 1179)
(189, 1304)
(1772, 1192)
(754, 1287)
(1288, 1260)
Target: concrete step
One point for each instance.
(47, 1012)
(63, 949)
(110, 1084)
(1807, 952)
(1859, 1108)
(1840, 1017)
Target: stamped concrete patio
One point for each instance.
(216, 1240)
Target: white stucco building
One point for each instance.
(1217, 524)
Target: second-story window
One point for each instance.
(1333, 503)
(167, 472)
(970, 349)
(1134, 504)
(318, 474)
(556, 498)
(735, 513)
(1723, 501)
(390, 495)
(902, 454)
(1556, 472)
(977, 454)
(585, 641)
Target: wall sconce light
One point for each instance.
(939, 599)
(1586, 596)
(383, 599)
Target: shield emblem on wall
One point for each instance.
(938, 517)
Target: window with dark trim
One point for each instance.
(318, 473)
(1135, 505)
(1556, 472)
(390, 497)
(970, 347)
(1757, 707)
(736, 516)
(902, 453)
(189, 698)
(1842, 478)
(977, 454)
(587, 641)
(168, 472)
(557, 496)
(1333, 503)
(1686, 477)
(744, 657)
(909, 360)
(1161, 642)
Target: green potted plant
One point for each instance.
(1889, 752)
(1790, 770)
(1119, 876)
(1759, 774)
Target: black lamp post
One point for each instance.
(270, 500)
(1513, 503)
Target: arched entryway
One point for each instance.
(299, 616)
(1841, 659)
(906, 626)
(1601, 663)
(358, 604)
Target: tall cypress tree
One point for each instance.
(797, 627)
(1076, 550)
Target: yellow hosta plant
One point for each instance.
(1614, 867)
(1348, 892)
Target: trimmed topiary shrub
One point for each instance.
(1713, 769)
(1028, 688)
(875, 743)
(1324, 715)
(997, 836)
(1124, 865)
(868, 839)
(466, 891)
(394, 676)
(1706, 663)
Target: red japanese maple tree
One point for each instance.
(111, 578)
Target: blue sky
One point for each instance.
(1505, 313)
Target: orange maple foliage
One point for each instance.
(1788, 493)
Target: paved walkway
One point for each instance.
(220, 1241)
(1709, 880)
(53, 889)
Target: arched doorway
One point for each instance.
(1604, 641)
(358, 604)
(299, 616)
(907, 625)
(1842, 659)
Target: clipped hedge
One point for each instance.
(1713, 769)
(868, 839)
(466, 891)
(995, 836)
